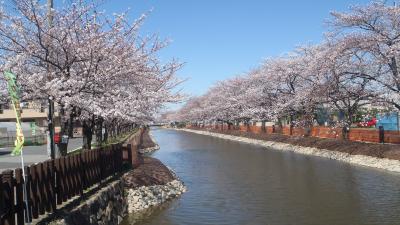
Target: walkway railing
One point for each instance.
(54, 182)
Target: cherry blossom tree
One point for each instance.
(374, 32)
(97, 68)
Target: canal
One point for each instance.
(233, 183)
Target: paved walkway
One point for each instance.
(32, 154)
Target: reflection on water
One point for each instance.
(232, 183)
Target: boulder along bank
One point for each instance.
(151, 184)
(364, 154)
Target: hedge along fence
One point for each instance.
(354, 134)
(29, 141)
(51, 183)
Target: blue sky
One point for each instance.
(221, 39)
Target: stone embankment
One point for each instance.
(107, 207)
(148, 145)
(392, 165)
(151, 184)
(145, 197)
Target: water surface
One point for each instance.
(234, 183)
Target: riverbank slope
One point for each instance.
(151, 184)
(148, 144)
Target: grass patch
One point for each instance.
(115, 140)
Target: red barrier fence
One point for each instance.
(354, 134)
(53, 182)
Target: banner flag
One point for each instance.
(13, 91)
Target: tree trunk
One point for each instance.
(71, 127)
(291, 125)
(63, 147)
(87, 135)
(280, 125)
(263, 128)
(71, 123)
(105, 138)
(99, 130)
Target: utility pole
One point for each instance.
(50, 114)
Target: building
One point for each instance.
(30, 112)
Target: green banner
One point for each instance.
(13, 91)
(33, 128)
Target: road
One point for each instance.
(32, 154)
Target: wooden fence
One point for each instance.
(53, 182)
(354, 134)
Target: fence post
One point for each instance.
(46, 186)
(28, 181)
(2, 205)
(102, 168)
(79, 173)
(64, 179)
(381, 134)
(74, 171)
(33, 190)
(58, 181)
(113, 154)
(129, 149)
(40, 188)
(51, 177)
(121, 157)
(19, 189)
(82, 169)
(8, 195)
